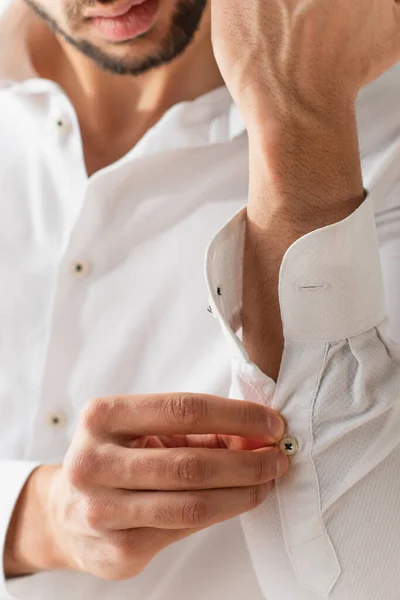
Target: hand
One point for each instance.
(277, 55)
(133, 481)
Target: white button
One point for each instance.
(59, 124)
(80, 268)
(289, 446)
(57, 420)
(63, 124)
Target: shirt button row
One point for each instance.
(80, 268)
(59, 126)
(57, 420)
(63, 125)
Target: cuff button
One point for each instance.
(289, 446)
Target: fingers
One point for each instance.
(174, 510)
(174, 414)
(172, 469)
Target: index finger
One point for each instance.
(175, 414)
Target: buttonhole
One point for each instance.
(219, 292)
(317, 287)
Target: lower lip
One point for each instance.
(137, 21)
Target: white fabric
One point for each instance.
(137, 322)
(331, 527)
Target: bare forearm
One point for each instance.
(304, 175)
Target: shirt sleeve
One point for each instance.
(13, 476)
(331, 526)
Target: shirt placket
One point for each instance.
(307, 542)
(55, 415)
(49, 433)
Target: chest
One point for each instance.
(102, 279)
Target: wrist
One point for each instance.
(308, 168)
(30, 544)
(265, 112)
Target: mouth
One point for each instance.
(124, 20)
(118, 9)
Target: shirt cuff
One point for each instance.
(330, 281)
(13, 476)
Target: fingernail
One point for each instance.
(277, 426)
(282, 464)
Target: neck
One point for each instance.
(123, 108)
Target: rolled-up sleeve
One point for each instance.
(331, 526)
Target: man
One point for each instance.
(126, 471)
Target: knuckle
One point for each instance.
(98, 413)
(82, 467)
(96, 513)
(189, 468)
(90, 415)
(196, 512)
(99, 512)
(184, 409)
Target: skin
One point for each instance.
(297, 98)
(115, 112)
(296, 87)
(75, 516)
(176, 26)
(99, 512)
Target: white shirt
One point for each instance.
(103, 292)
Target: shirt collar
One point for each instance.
(16, 68)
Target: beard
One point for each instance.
(185, 22)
